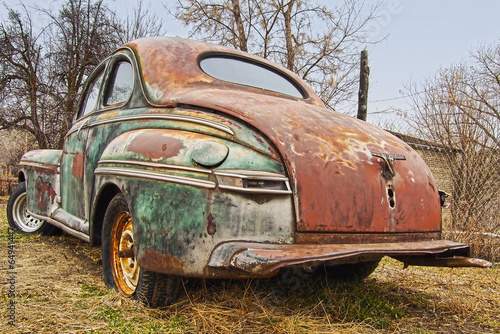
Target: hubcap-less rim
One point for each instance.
(22, 218)
(125, 269)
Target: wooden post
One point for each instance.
(364, 73)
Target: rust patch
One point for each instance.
(167, 264)
(47, 168)
(155, 145)
(363, 238)
(211, 226)
(108, 115)
(264, 259)
(44, 192)
(78, 165)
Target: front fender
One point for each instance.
(42, 176)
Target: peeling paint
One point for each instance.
(44, 193)
(77, 169)
(154, 145)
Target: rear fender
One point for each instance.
(181, 209)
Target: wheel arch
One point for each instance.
(21, 177)
(102, 200)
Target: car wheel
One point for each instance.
(121, 271)
(19, 219)
(352, 272)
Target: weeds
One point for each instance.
(89, 290)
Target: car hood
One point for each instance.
(340, 180)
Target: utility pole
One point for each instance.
(364, 73)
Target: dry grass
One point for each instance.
(484, 246)
(60, 290)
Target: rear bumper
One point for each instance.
(260, 259)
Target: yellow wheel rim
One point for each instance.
(125, 269)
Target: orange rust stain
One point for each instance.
(108, 115)
(154, 145)
(211, 226)
(78, 165)
(44, 192)
(152, 260)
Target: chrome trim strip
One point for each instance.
(155, 176)
(63, 227)
(256, 176)
(181, 118)
(257, 190)
(155, 165)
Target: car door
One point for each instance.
(108, 91)
(73, 199)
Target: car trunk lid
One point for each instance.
(347, 175)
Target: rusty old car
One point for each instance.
(188, 159)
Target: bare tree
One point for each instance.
(43, 71)
(478, 93)
(81, 35)
(13, 144)
(142, 23)
(458, 109)
(23, 70)
(318, 42)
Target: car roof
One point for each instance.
(169, 68)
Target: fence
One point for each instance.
(470, 173)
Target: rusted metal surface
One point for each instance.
(155, 261)
(444, 262)
(332, 152)
(45, 194)
(169, 68)
(211, 224)
(264, 259)
(154, 145)
(362, 238)
(41, 161)
(41, 173)
(78, 161)
(321, 149)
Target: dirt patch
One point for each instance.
(59, 288)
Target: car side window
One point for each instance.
(92, 94)
(120, 84)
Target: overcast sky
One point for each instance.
(422, 36)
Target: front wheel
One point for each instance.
(121, 271)
(19, 219)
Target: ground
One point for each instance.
(59, 289)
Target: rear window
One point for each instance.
(245, 72)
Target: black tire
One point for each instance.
(20, 220)
(351, 272)
(123, 273)
(157, 290)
